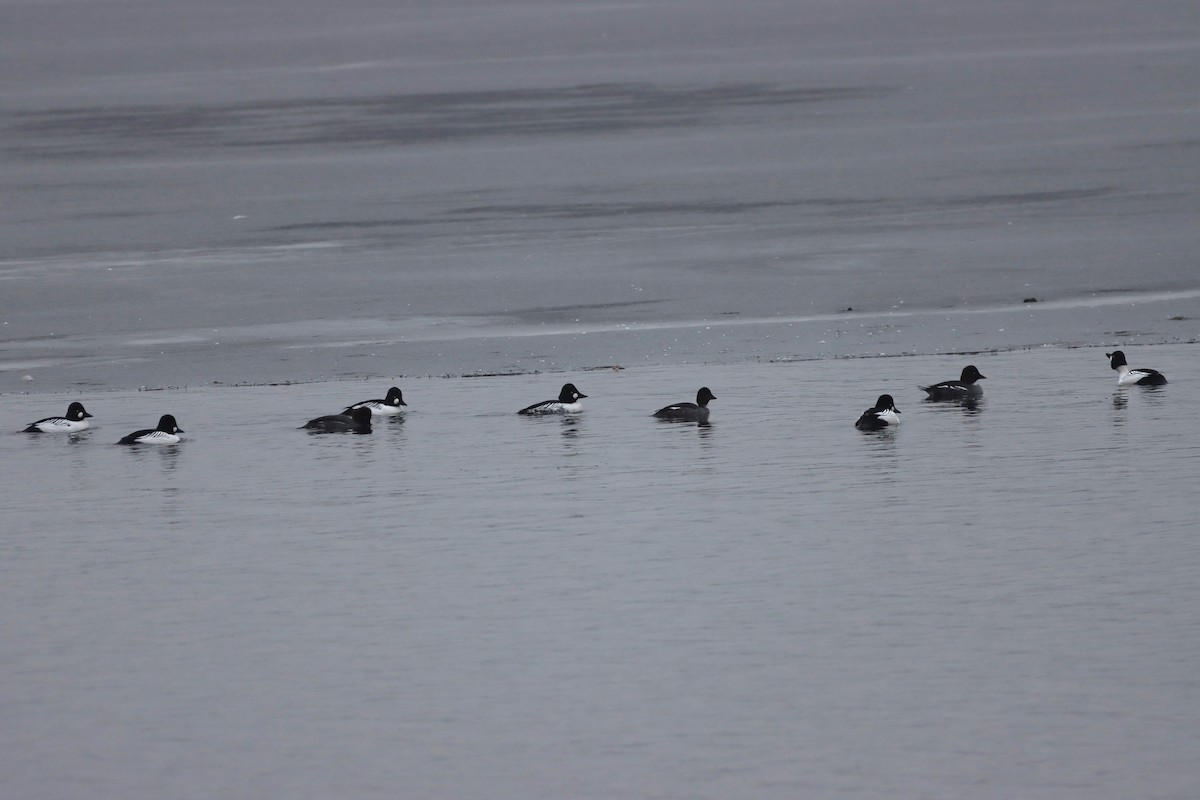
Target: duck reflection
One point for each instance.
(1155, 395)
(167, 455)
(688, 422)
(572, 426)
(883, 454)
(967, 406)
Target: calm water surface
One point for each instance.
(989, 603)
(997, 602)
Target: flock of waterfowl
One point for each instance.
(967, 389)
(356, 418)
(884, 413)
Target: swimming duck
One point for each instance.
(689, 412)
(963, 388)
(567, 403)
(167, 432)
(75, 420)
(1129, 377)
(357, 421)
(882, 415)
(388, 405)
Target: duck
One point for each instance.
(962, 389)
(357, 421)
(1128, 377)
(385, 407)
(689, 412)
(567, 403)
(75, 420)
(881, 416)
(167, 432)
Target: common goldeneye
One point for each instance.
(1129, 377)
(388, 405)
(357, 421)
(567, 403)
(963, 388)
(689, 412)
(882, 415)
(75, 420)
(167, 432)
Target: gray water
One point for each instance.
(250, 213)
(987, 602)
(254, 191)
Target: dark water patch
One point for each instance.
(569, 312)
(1025, 198)
(836, 207)
(603, 210)
(524, 212)
(334, 225)
(398, 119)
(877, 214)
(1179, 144)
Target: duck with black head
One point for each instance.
(1143, 376)
(965, 388)
(689, 412)
(884, 414)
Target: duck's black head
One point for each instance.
(394, 397)
(886, 403)
(167, 424)
(570, 394)
(970, 374)
(704, 395)
(1117, 359)
(75, 412)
